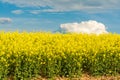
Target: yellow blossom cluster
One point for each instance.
(24, 55)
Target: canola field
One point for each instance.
(26, 55)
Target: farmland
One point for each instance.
(26, 55)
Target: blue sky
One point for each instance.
(48, 15)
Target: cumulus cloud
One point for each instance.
(88, 27)
(67, 5)
(17, 11)
(5, 20)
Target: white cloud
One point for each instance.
(35, 11)
(90, 26)
(67, 5)
(5, 20)
(40, 11)
(17, 11)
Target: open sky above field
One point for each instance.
(48, 15)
